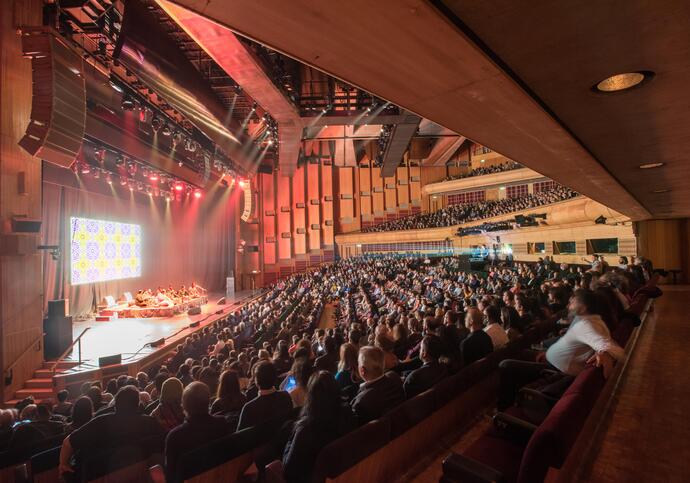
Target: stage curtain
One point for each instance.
(185, 241)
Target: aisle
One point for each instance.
(648, 436)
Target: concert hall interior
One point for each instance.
(296, 241)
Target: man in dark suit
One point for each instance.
(431, 372)
(269, 404)
(478, 344)
(379, 393)
(329, 360)
(198, 429)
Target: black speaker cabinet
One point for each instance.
(58, 330)
(59, 308)
(110, 360)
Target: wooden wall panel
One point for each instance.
(268, 217)
(665, 243)
(299, 215)
(390, 194)
(365, 186)
(415, 186)
(327, 201)
(21, 298)
(403, 187)
(284, 217)
(313, 210)
(377, 194)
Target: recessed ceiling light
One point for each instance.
(621, 82)
(662, 190)
(651, 165)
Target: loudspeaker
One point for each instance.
(25, 225)
(194, 324)
(158, 343)
(110, 360)
(194, 311)
(58, 103)
(58, 335)
(58, 308)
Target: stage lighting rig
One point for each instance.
(166, 130)
(128, 103)
(177, 139)
(119, 161)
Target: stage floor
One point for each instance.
(130, 337)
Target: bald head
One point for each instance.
(474, 320)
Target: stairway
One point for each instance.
(41, 385)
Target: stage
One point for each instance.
(131, 336)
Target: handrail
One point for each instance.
(69, 348)
(8, 369)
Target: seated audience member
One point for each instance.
(321, 421)
(63, 406)
(478, 344)
(587, 341)
(301, 371)
(379, 392)
(269, 404)
(386, 344)
(347, 376)
(169, 411)
(229, 399)
(34, 426)
(198, 429)
(431, 372)
(125, 426)
(82, 413)
(499, 338)
(7, 420)
(281, 358)
(510, 320)
(329, 360)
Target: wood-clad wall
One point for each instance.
(21, 279)
(667, 244)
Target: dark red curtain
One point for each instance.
(185, 241)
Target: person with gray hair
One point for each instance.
(380, 392)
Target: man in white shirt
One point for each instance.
(587, 342)
(498, 335)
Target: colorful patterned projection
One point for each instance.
(104, 250)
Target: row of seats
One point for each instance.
(519, 447)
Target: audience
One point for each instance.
(466, 212)
(484, 170)
(396, 319)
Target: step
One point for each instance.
(13, 402)
(42, 393)
(39, 383)
(44, 373)
(61, 364)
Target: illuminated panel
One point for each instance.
(103, 250)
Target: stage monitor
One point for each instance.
(103, 250)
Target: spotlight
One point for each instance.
(128, 103)
(85, 169)
(140, 186)
(270, 142)
(119, 161)
(153, 176)
(116, 87)
(197, 193)
(166, 130)
(131, 187)
(167, 198)
(123, 180)
(180, 164)
(96, 173)
(108, 178)
(179, 186)
(190, 145)
(156, 123)
(243, 183)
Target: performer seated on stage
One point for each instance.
(196, 290)
(140, 299)
(162, 299)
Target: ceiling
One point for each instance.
(514, 76)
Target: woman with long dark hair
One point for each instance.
(321, 421)
(82, 412)
(229, 399)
